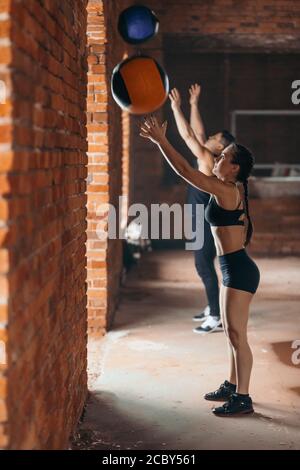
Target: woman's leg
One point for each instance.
(204, 263)
(232, 369)
(227, 388)
(236, 309)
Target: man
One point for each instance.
(195, 138)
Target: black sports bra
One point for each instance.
(217, 216)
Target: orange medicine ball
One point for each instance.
(139, 85)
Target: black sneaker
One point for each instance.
(224, 392)
(237, 405)
(202, 315)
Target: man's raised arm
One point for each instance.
(204, 156)
(196, 121)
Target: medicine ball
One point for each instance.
(137, 24)
(139, 85)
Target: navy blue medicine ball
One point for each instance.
(137, 24)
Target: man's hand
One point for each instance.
(175, 99)
(195, 91)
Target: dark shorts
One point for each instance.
(239, 271)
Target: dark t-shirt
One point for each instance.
(195, 195)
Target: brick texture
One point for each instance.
(6, 160)
(276, 223)
(228, 16)
(43, 221)
(107, 155)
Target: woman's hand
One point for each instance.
(152, 130)
(175, 99)
(195, 91)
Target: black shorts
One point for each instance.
(239, 271)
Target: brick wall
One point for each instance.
(276, 226)
(108, 154)
(6, 160)
(43, 221)
(229, 16)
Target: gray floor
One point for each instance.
(149, 373)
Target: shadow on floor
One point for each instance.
(114, 423)
(295, 390)
(105, 425)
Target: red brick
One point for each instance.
(3, 387)
(4, 261)
(5, 5)
(4, 29)
(4, 210)
(5, 133)
(5, 55)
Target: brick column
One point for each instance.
(105, 49)
(6, 161)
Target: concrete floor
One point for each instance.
(149, 373)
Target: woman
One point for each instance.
(227, 214)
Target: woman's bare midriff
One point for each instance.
(229, 238)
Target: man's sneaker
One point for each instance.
(203, 315)
(209, 325)
(224, 392)
(237, 405)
